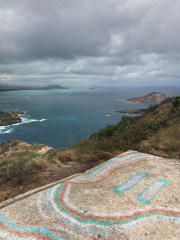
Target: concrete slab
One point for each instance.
(132, 196)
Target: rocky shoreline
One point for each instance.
(9, 117)
(132, 111)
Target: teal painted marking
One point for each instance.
(131, 182)
(113, 160)
(151, 191)
(95, 170)
(125, 157)
(42, 231)
(109, 222)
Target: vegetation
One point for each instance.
(8, 117)
(156, 131)
(22, 167)
(26, 155)
(50, 153)
(5, 162)
(37, 146)
(20, 170)
(159, 122)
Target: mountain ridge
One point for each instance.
(6, 87)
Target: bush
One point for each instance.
(6, 161)
(110, 130)
(156, 111)
(20, 171)
(50, 153)
(153, 126)
(150, 108)
(26, 155)
(37, 146)
(176, 102)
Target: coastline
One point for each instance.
(8, 118)
(133, 111)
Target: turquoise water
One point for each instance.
(56, 117)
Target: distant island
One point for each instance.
(6, 87)
(154, 97)
(9, 117)
(96, 86)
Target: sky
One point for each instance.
(90, 42)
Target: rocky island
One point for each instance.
(154, 97)
(9, 118)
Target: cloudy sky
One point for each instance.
(93, 42)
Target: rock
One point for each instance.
(133, 111)
(154, 97)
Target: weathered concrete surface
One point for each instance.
(132, 196)
(36, 190)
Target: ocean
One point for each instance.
(57, 117)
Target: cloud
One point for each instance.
(81, 42)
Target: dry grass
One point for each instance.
(22, 170)
(77, 155)
(162, 109)
(4, 195)
(67, 156)
(21, 162)
(165, 143)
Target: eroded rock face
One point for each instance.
(154, 97)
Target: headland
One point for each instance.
(9, 117)
(153, 97)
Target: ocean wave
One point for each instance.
(5, 129)
(1, 129)
(131, 102)
(108, 115)
(8, 131)
(121, 100)
(42, 120)
(26, 120)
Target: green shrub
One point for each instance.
(110, 130)
(37, 146)
(6, 161)
(29, 154)
(50, 153)
(176, 102)
(153, 126)
(150, 108)
(162, 121)
(156, 111)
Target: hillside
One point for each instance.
(24, 166)
(154, 97)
